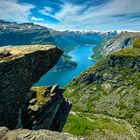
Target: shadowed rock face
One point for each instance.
(45, 108)
(18, 72)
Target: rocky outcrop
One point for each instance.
(24, 134)
(18, 72)
(45, 108)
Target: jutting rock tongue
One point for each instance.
(19, 70)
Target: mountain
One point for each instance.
(12, 33)
(105, 97)
(69, 39)
(122, 40)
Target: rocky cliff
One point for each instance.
(106, 97)
(19, 70)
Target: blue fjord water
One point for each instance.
(81, 55)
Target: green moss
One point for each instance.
(138, 84)
(122, 106)
(77, 126)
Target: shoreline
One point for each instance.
(71, 58)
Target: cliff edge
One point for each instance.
(20, 68)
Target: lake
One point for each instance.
(81, 56)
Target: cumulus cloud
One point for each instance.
(13, 11)
(36, 19)
(113, 13)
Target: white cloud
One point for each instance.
(114, 13)
(36, 19)
(46, 11)
(13, 11)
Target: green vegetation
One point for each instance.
(98, 126)
(109, 89)
(128, 52)
(69, 61)
(97, 52)
(131, 51)
(136, 42)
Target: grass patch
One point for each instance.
(90, 126)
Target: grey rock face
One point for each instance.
(24, 134)
(18, 72)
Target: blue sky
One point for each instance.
(74, 14)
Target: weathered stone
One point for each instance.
(24, 134)
(54, 88)
(106, 87)
(33, 107)
(18, 72)
(33, 101)
(3, 131)
(107, 76)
